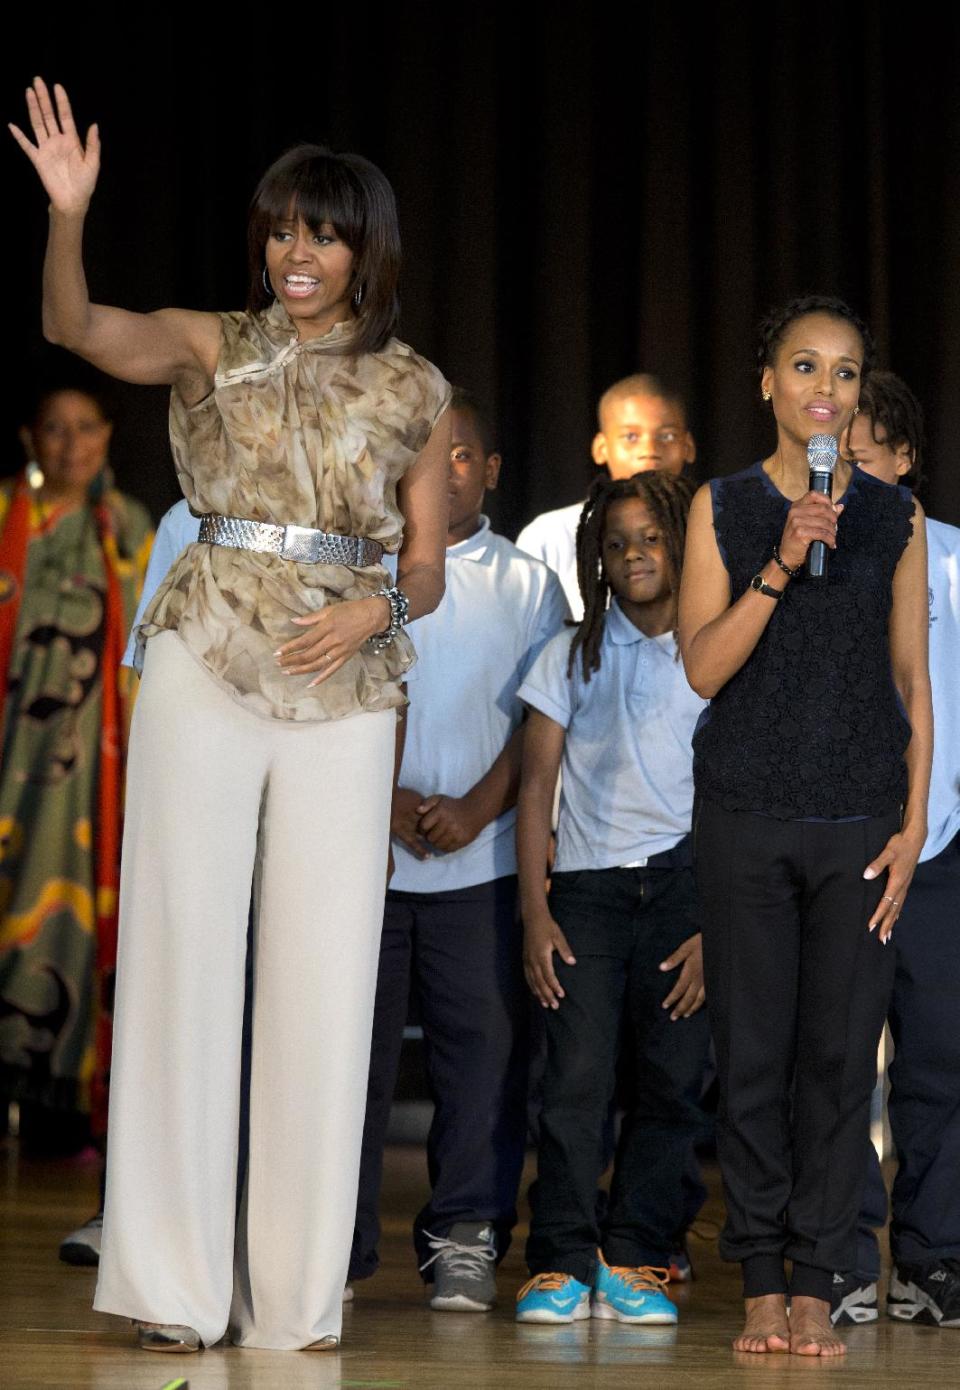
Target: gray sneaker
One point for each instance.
(82, 1246)
(464, 1268)
(853, 1300)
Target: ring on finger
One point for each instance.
(888, 899)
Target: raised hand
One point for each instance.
(68, 169)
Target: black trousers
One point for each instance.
(797, 989)
(924, 1104)
(462, 951)
(620, 923)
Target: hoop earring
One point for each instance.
(358, 297)
(267, 287)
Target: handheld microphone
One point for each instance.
(822, 460)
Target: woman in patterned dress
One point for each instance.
(72, 555)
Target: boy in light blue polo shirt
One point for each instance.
(924, 1101)
(618, 941)
(450, 922)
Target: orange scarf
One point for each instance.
(14, 542)
(14, 539)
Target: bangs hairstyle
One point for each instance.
(774, 327)
(351, 194)
(668, 499)
(886, 400)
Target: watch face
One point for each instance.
(757, 583)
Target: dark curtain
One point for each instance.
(584, 193)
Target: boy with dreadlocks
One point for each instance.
(610, 704)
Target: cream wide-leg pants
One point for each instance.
(216, 796)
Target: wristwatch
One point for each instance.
(757, 583)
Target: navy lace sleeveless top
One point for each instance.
(811, 725)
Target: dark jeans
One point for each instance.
(797, 990)
(620, 923)
(463, 952)
(924, 1104)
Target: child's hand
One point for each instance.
(687, 995)
(540, 939)
(404, 821)
(447, 823)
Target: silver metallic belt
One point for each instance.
(298, 543)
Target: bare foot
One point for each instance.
(766, 1327)
(811, 1333)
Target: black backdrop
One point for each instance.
(583, 193)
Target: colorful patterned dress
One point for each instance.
(69, 581)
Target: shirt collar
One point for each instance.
(474, 547)
(280, 328)
(623, 633)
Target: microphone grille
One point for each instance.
(822, 453)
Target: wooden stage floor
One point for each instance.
(49, 1337)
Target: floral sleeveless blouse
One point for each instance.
(296, 434)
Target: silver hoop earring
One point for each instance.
(358, 297)
(267, 287)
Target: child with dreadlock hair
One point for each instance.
(610, 704)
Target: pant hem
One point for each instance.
(807, 1281)
(763, 1274)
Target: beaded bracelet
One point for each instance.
(399, 608)
(783, 565)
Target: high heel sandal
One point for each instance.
(329, 1343)
(159, 1336)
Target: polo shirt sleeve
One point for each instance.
(547, 687)
(178, 529)
(549, 618)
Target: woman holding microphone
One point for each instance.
(811, 767)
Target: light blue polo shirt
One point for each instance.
(499, 609)
(943, 570)
(627, 768)
(178, 529)
(552, 538)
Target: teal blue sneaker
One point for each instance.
(632, 1295)
(553, 1298)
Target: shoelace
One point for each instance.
(543, 1283)
(461, 1259)
(645, 1279)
